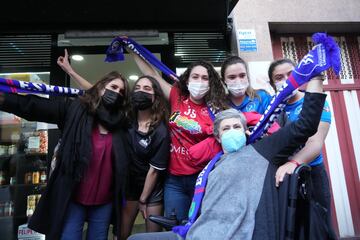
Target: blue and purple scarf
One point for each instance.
(16, 86)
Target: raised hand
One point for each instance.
(63, 62)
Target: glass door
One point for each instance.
(23, 163)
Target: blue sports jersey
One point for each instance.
(293, 110)
(255, 105)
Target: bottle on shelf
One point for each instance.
(43, 177)
(36, 177)
(2, 177)
(11, 208)
(7, 209)
(31, 202)
(2, 205)
(28, 178)
(12, 180)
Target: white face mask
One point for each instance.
(237, 89)
(198, 89)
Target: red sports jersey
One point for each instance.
(189, 124)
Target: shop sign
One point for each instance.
(247, 40)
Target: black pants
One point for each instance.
(321, 193)
(321, 187)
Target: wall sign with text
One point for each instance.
(247, 40)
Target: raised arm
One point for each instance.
(63, 62)
(308, 153)
(34, 108)
(289, 138)
(147, 69)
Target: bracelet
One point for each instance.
(294, 162)
(141, 202)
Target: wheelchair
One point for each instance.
(301, 217)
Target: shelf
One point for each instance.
(35, 154)
(23, 185)
(8, 142)
(11, 217)
(26, 154)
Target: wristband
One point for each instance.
(294, 162)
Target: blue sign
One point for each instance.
(247, 40)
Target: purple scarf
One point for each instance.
(16, 86)
(115, 52)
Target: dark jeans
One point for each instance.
(178, 193)
(98, 218)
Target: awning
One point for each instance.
(162, 15)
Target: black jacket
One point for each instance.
(49, 214)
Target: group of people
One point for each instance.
(123, 151)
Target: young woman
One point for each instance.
(198, 89)
(242, 96)
(310, 152)
(149, 147)
(240, 200)
(89, 179)
(149, 142)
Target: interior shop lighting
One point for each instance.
(134, 77)
(77, 57)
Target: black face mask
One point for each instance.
(111, 99)
(141, 100)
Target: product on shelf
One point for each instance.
(2, 205)
(38, 196)
(12, 180)
(11, 208)
(43, 141)
(12, 149)
(31, 203)
(36, 177)
(6, 209)
(28, 178)
(2, 177)
(4, 150)
(43, 177)
(37, 142)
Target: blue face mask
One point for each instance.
(232, 140)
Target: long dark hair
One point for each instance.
(159, 108)
(92, 97)
(272, 67)
(216, 95)
(234, 60)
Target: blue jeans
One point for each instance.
(98, 218)
(178, 193)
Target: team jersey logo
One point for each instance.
(145, 142)
(251, 106)
(188, 124)
(326, 109)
